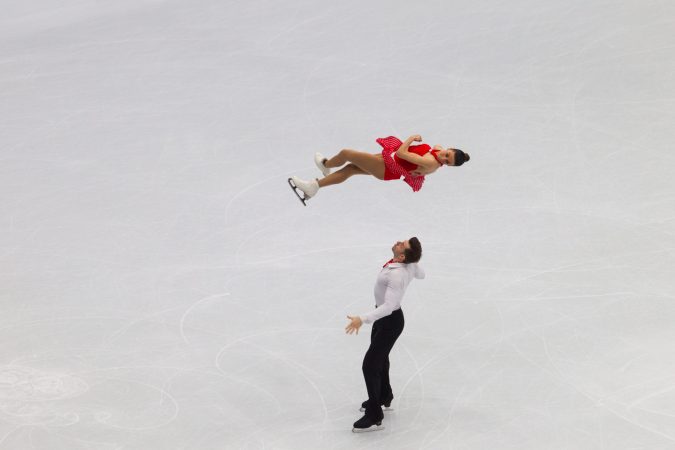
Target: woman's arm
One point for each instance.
(404, 154)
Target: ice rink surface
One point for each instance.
(162, 288)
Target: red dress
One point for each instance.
(395, 167)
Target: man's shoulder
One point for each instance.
(402, 267)
(402, 271)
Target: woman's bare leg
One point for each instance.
(367, 162)
(341, 175)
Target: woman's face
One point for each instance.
(447, 156)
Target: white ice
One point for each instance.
(162, 288)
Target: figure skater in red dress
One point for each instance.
(397, 159)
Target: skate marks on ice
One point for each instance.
(51, 399)
(36, 397)
(193, 306)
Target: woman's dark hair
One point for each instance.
(414, 253)
(460, 157)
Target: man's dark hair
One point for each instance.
(414, 253)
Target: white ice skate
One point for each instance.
(320, 162)
(308, 188)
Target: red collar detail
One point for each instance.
(434, 153)
(388, 262)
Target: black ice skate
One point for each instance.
(365, 424)
(386, 406)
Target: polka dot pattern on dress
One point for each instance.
(393, 171)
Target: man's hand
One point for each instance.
(415, 137)
(354, 325)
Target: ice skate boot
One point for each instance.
(386, 406)
(308, 188)
(365, 424)
(320, 162)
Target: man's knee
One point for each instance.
(371, 365)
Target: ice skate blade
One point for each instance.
(384, 409)
(295, 191)
(369, 429)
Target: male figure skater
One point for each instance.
(387, 327)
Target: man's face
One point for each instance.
(399, 248)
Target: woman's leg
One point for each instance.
(367, 162)
(341, 175)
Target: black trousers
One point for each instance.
(384, 333)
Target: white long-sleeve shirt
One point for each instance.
(389, 289)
